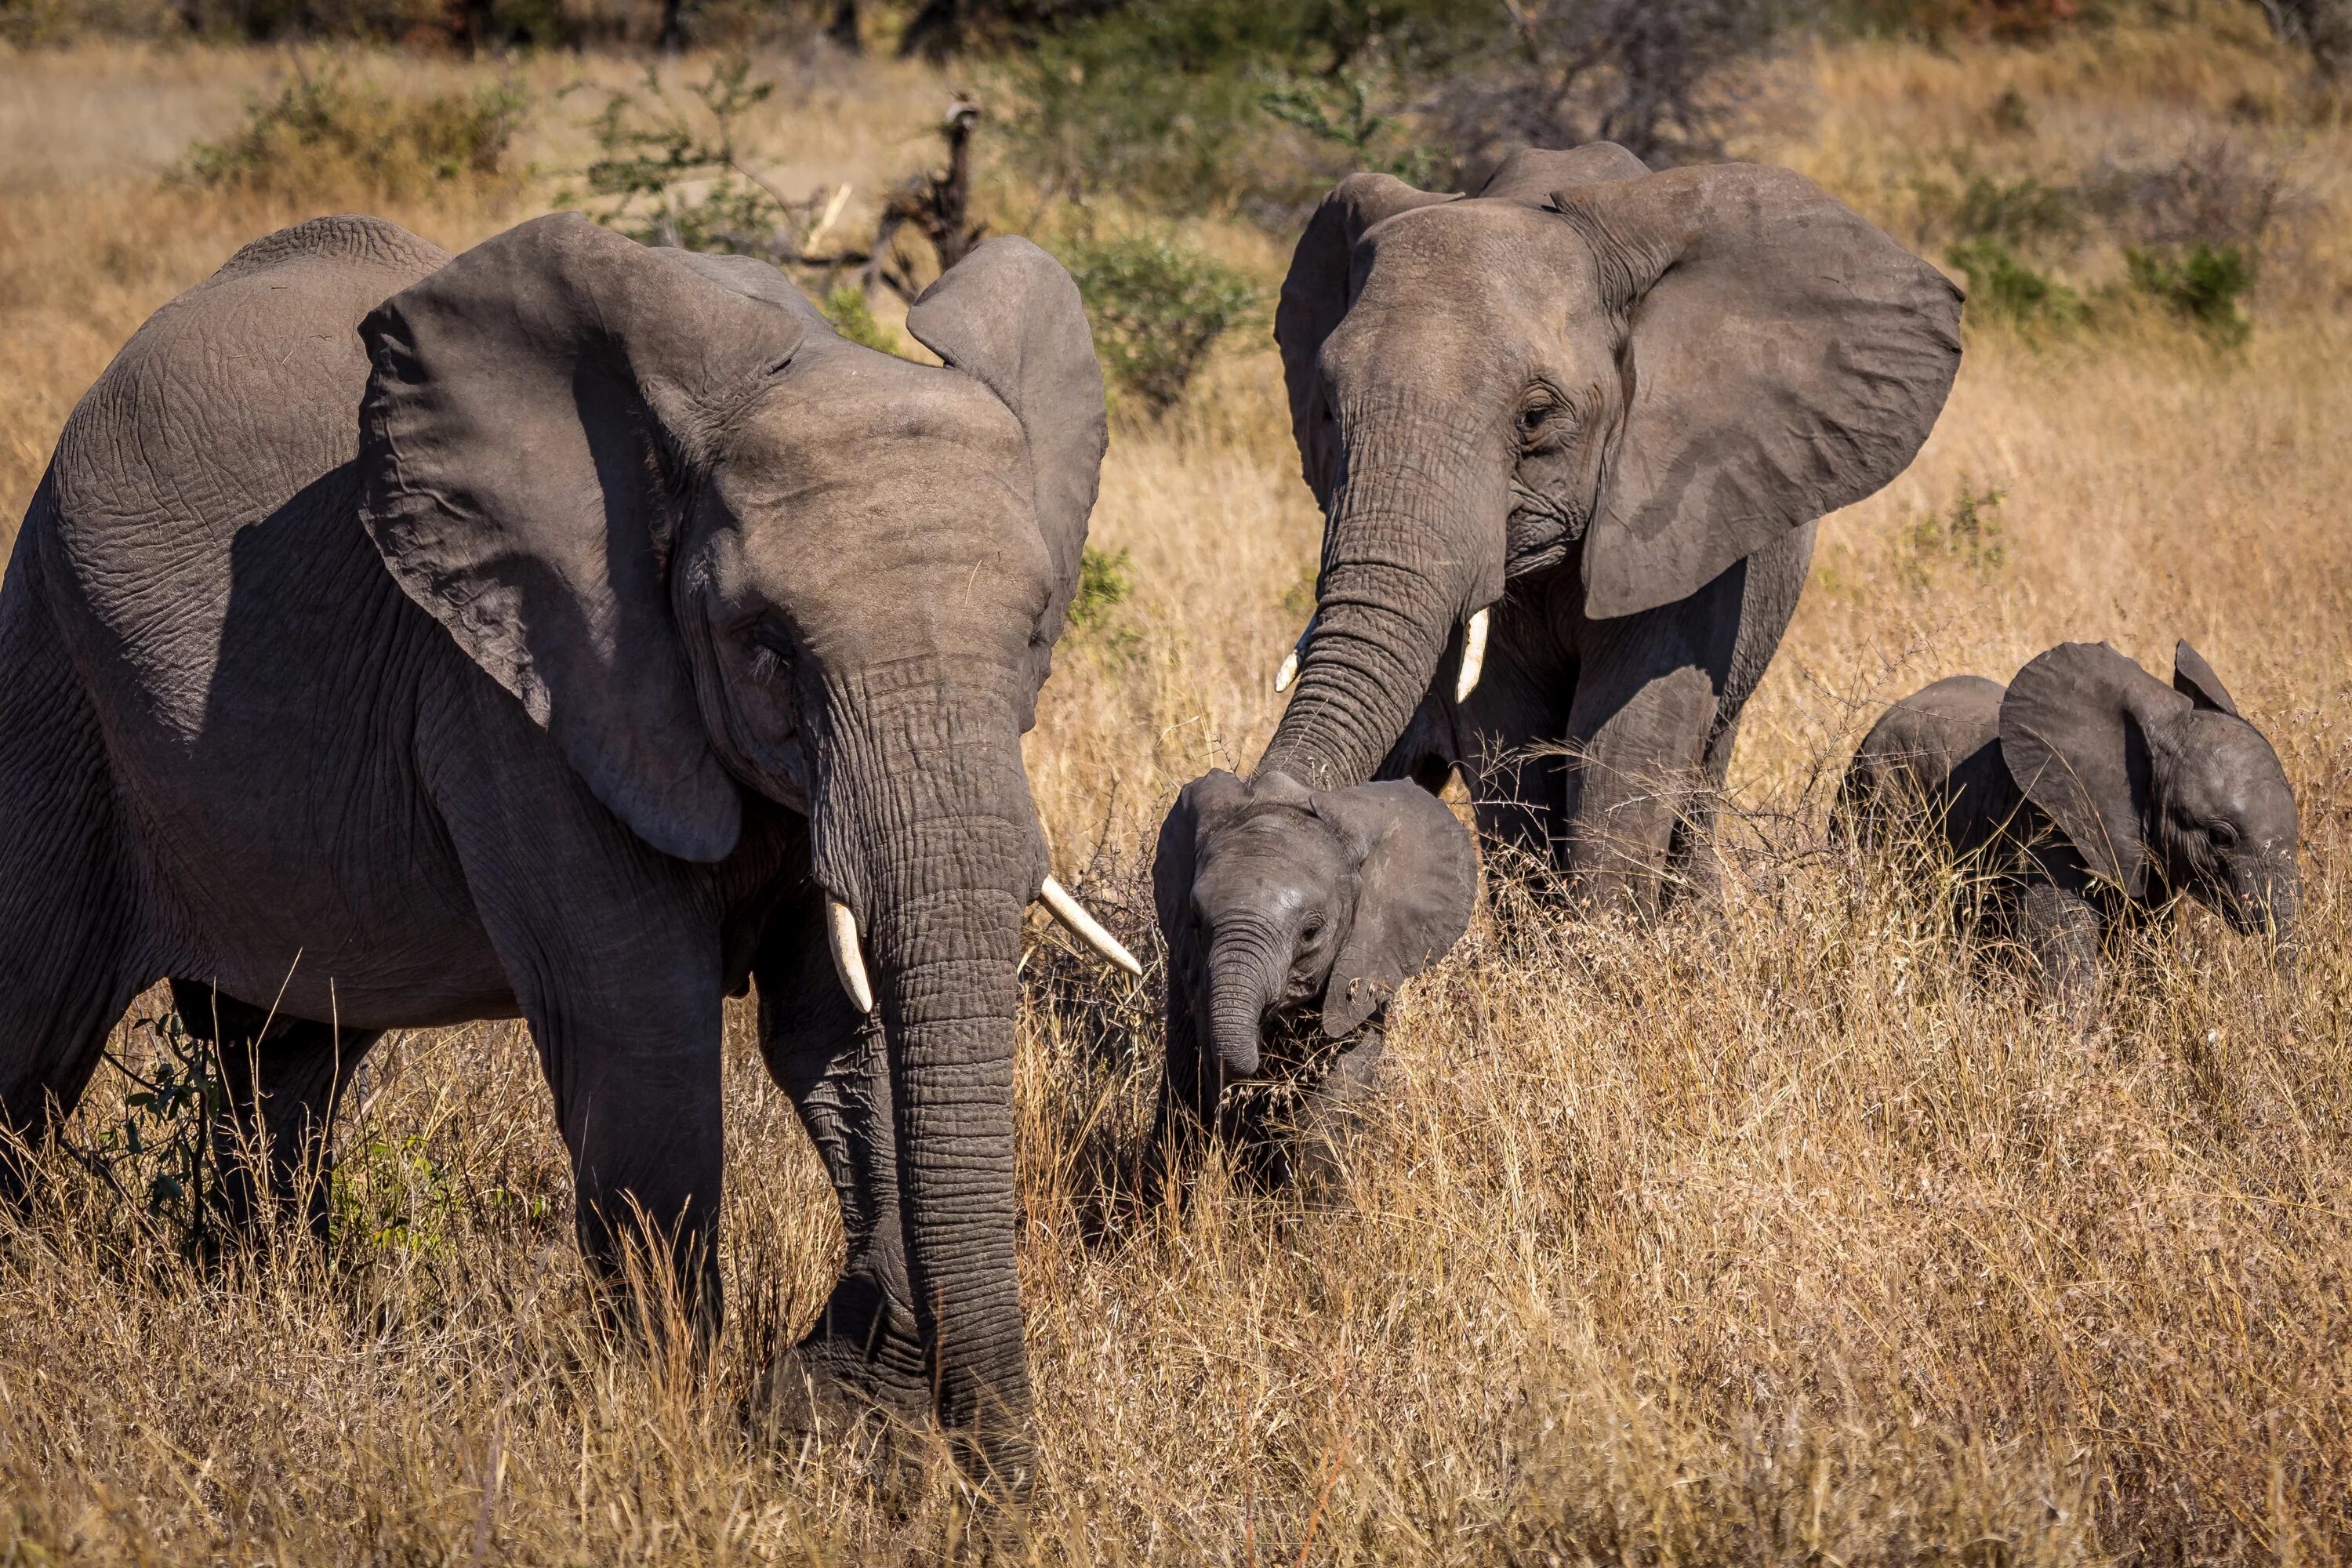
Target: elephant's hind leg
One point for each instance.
(69, 925)
(281, 1077)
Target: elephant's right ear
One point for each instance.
(2194, 678)
(1315, 298)
(1782, 358)
(2073, 733)
(536, 412)
(1009, 316)
(1418, 883)
(1201, 808)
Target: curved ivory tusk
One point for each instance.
(840, 936)
(1289, 670)
(1473, 657)
(1073, 914)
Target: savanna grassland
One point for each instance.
(1782, 1234)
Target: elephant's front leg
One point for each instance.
(1637, 753)
(834, 1065)
(2062, 929)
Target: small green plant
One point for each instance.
(1104, 579)
(852, 315)
(1999, 285)
(390, 1195)
(2202, 284)
(1967, 535)
(1159, 307)
(160, 1154)
(670, 175)
(321, 133)
(1338, 112)
(2011, 115)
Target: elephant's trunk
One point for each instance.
(1245, 969)
(925, 827)
(1414, 546)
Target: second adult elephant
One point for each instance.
(1570, 435)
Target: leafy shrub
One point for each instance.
(1159, 307)
(852, 315)
(1657, 77)
(669, 175)
(321, 133)
(2322, 28)
(2202, 284)
(1999, 285)
(2022, 213)
(1967, 535)
(2217, 191)
(1105, 581)
(160, 1154)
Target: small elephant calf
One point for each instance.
(2094, 794)
(1292, 916)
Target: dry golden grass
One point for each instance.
(1783, 1234)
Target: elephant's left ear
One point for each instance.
(2194, 678)
(1010, 318)
(2074, 732)
(1783, 358)
(1419, 880)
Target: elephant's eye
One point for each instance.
(1537, 415)
(772, 651)
(2224, 835)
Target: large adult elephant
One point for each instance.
(1570, 436)
(577, 631)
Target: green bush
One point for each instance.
(322, 134)
(1159, 307)
(2202, 284)
(1190, 104)
(1967, 535)
(851, 316)
(1104, 579)
(2018, 213)
(2001, 286)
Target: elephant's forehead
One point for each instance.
(1269, 858)
(1484, 252)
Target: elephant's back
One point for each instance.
(236, 394)
(255, 671)
(1925, 748)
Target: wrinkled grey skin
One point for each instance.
(1291, 917)
(396, 640)
(1607, 406)
(2092, 795)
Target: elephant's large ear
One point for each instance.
(1419, 880)
(1201, 806)
(1315, 297)
(1009, 317)
(1783, 359)
(2194, 678)
(534, 413)
(2073, 732)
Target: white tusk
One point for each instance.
(1289, 670)
(1473, 657)
(1073, 914)
(840, 936)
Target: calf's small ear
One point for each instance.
(1419, 881)
(2194, 678)
(1200, 807)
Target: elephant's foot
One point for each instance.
(862, 1367)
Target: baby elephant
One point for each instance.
(1291, 916)
(2094, 794)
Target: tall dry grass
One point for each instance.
(1786, 1234)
